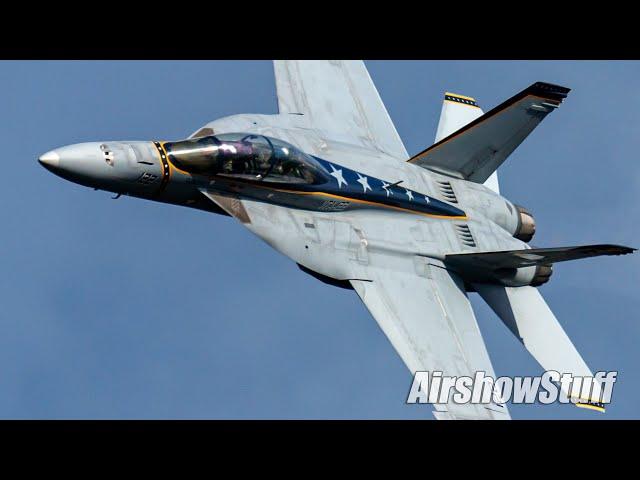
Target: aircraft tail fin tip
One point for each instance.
(457, 111)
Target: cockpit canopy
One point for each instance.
(246, 156)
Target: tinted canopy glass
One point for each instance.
(246, 156)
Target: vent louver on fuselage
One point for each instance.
(464, 234)
(447, 191)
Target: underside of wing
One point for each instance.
(476, 150)
(431, 324)
(527, 315)
(337, 98)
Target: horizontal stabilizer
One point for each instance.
(476, 150)
(531, 257)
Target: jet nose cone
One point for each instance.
(86, 164)
(49, 160)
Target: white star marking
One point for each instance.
(409, 194)
(337, 174)
(364, 181)
(385, 187)
(426, 199)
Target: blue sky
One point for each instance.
(99, 322)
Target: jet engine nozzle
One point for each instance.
(526, 225)
(542, 275)
(533, 275)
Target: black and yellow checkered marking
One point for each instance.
(591, 405)
(166, 172)
(460, 99)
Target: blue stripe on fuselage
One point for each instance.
(344, 189)
(372, 189)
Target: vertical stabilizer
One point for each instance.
(458, 111)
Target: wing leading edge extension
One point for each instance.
(476, 150)
(431, 324)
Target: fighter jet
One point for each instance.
(327, 182)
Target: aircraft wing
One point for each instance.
(431, 324)
(527, 315)
(339, 100)
(476, 150)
